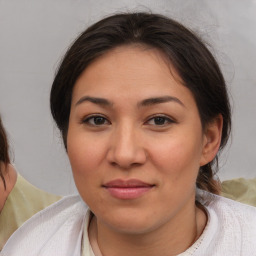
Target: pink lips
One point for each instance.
(129, 189)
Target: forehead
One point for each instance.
(135, 71)
(133, 60)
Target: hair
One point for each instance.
(4, 155)
(186, 52)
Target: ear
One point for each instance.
(212, 140)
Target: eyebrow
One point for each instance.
(98, 101)
(144, 103)
(159, 100)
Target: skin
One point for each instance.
(10, 177)
(159, 142)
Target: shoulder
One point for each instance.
(230, 208)
(23, 202)
(26, 199)
(233, 223)
(30, 192)
(53, 231)
(227, 209)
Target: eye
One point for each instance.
(160, 120)
(96, 120)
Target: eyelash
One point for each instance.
(164, 120)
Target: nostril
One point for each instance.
(126, 166)
(113, 164)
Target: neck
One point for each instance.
(172, 238)
(10, 176)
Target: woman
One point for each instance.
(143, 110)
(19, 199)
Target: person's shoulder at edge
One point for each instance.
(225, 205)
(57, 222)
(245, 216)
(23, 202)
(35, 198)
(231, 227)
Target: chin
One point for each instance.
(130, 224)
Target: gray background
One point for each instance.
(34, 35)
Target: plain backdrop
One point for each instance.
(34, 34)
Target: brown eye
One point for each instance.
(160, 120)
(96, 120)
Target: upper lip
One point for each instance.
(131, 183)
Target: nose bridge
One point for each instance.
(126, 147)
(125, 141)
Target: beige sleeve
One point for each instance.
(23, 202)
(241, 190)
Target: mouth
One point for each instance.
(127, 189)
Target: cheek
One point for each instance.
(85, 156)
(83, 152)
(177, 157)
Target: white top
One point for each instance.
(59, 230)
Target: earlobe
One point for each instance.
(212, 140)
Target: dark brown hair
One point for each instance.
(4, 155)
(187, 53)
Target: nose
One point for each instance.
(126, 148)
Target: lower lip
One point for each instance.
(128, 193)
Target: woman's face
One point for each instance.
(135, 141)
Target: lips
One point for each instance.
(127, 189)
